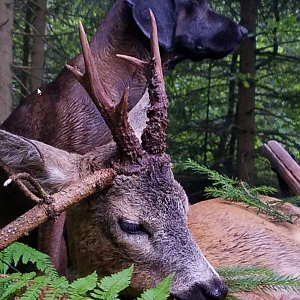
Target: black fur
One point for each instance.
(189, 27)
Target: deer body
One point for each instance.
(230, 234)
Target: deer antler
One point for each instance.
(114, 115)
(154, 135)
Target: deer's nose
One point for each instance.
(214, 290)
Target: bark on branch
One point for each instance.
(60, 202)
(284, 165)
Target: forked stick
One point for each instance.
(60, 202)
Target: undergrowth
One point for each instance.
(49, 286)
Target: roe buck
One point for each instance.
(64, 115)
(142, 217)
(233, 234)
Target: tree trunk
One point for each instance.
(37, 57)
(246, 95)
(26, 52)
(6, 27)
(222, 158)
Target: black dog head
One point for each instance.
(189, 28)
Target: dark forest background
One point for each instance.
(221, 112)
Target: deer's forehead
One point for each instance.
(147, 195)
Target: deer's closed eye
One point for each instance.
(132, 228)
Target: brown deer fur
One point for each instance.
(230, 234)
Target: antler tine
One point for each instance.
(157, 69)
(134, 61)
(154, 135)
(90, 80)
(115, 116)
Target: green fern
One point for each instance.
(237, 271)
(36, 288)
(238, 191)
(19, 252)
(29, 286)
(249, 278)
(110, 286)
(161, 292)
(57, 288)
(78, 289)
(293, 200)
(16, 283)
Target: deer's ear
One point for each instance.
(165, 15)
(53, 168)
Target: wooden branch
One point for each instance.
(284, 164)
(17, 179)
(60, 202)
(43, 196)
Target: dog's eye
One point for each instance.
(131, 228)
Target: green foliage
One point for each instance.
(20, 252)
(109, 287)
(238, 191)
(161, 292)
(80, 286)
(30, 286)
(249, 278)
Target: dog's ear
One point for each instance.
(165, 15)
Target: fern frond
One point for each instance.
(20, 282)
(56, 288)
(20, 252)
(110, 286)
(160, 292)
(292, 200)
(79, 288)
(35, 288)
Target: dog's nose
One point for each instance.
(243, 31)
